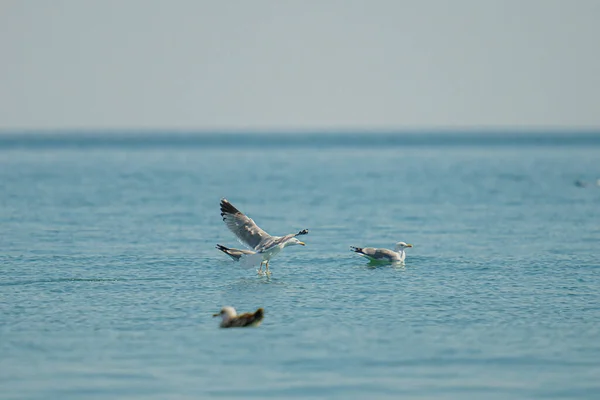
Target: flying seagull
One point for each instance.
(264, 246)
(230, 319)
(383, 255)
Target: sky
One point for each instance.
(295, 65)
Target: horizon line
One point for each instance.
(467, 130)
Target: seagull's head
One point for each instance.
(226, 313)
(402, 245)
(294, 241)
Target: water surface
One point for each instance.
(109, 275)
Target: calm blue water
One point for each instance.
(109, 275)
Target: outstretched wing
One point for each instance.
(247, 232)
(236, 254)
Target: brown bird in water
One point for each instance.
(230, 319)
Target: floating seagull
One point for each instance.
(383, 255)
(230, 319)
(248, 233)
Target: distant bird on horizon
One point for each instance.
(583, 184)
(230, 319)
(384, 255)
(264, 246)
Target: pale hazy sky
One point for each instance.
(137, 64)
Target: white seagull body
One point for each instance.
(264, 246)
(383, 255)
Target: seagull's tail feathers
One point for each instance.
(248, 261)
(259, 314)
(356, 249)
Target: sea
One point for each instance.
(109, 275)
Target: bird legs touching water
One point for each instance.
(260, 268)
(267, 272)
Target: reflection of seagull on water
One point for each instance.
(230, 319)
(264, 246)
(383, 255)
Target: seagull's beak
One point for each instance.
(302, 243)
(216, 315)
(408, 245)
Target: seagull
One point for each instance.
(264, 246)
(230, 319)
(383, 255)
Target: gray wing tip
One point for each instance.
(227, 208)
(356, 249)
(302, 232)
